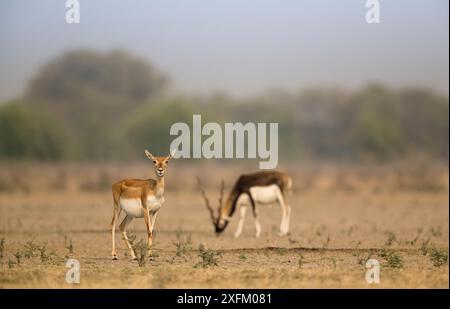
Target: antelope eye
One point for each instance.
(165, 162)
(154, 162)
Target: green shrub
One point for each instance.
(439, 257)
(26, 132)
(208, 257)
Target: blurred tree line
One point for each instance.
(87, 105)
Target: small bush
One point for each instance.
(30, 249)
(363, 258)
(393, 260)
(424, 247)
(438, 257)
(139, 248)
(183, 244)
(208, 257)
(68, 245)
(242, 257)
(391, 239)
(18, 255)
(436, 232)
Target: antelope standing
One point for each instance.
(253, 189)
(139, 198)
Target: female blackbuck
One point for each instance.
(139, 198)
(259, 188)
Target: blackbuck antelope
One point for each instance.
(253, 189)
(139, 198)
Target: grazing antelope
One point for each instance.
(253, 189)
(139, 198)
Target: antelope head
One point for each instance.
(160, 163)
(219, 220)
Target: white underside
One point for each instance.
(266, 195)
(261, 195)
(133, 207)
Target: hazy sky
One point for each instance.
(238, 46)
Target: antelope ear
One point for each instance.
(149, 155)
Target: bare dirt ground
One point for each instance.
(333, 233)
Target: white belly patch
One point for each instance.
(266, 194)
(133, 207)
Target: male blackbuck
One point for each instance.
(139, 198)
(265, 187)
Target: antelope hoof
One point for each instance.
(151, 258)
(114, 257)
